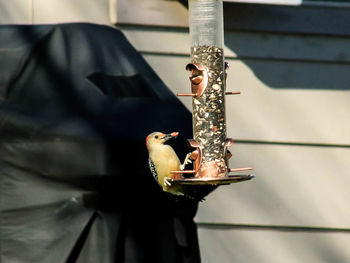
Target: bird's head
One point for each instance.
(157, 138)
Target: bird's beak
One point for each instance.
(170, 136)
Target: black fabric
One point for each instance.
(76, 103)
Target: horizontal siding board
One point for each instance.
(158, 41)
(280, 101)
(242, 246)
(288, 47)
(246, 45)
(63, 11)
(294, 185)
(304, 19)
(151, 12)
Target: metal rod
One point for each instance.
(186, 94)
(232, 92)
(240, 169)
(183, 172)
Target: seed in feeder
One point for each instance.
(208, 105)
(208, 134)
(216, 87)
(215, 128)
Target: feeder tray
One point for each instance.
(213, 181)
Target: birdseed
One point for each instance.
(209, 126)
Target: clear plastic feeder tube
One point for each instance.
(206, 23)
(209, 123)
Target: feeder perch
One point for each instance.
(208, 89)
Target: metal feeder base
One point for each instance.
(213, 181)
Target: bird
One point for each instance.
(163, 159)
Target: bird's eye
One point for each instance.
(156, 136)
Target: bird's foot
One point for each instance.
(186, 161)
(167, 181)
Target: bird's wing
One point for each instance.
(153, 169)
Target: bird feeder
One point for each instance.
(208, 91)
